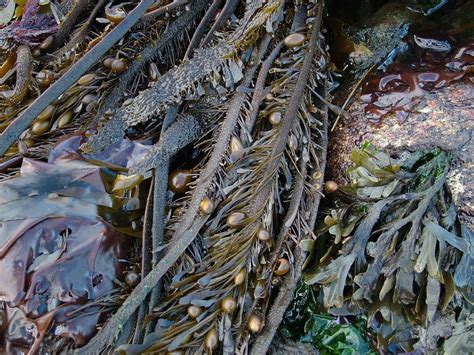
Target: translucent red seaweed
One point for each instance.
(60, 249)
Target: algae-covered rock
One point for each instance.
(444, 119)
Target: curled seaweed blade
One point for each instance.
(333, 278)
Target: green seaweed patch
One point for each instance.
(330, 334)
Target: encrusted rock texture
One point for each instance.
(443, 118)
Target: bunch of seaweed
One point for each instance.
(244, 97)
(227, 244)
(395, 250)
(96, 93)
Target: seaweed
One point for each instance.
(171, 87)
(63, 260)
(218, 254)
(327, 332)
(395, 246)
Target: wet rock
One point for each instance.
(403, 85)
(383, 36)
(378, 41)
(443, 118)
(460, 19)
(282, 346)
(422, 101)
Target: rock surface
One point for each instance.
(443, 118)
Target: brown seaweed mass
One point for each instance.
(59, 253)
(402, 86)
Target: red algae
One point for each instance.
(402, 86)
(59, 265)
(61, 251)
